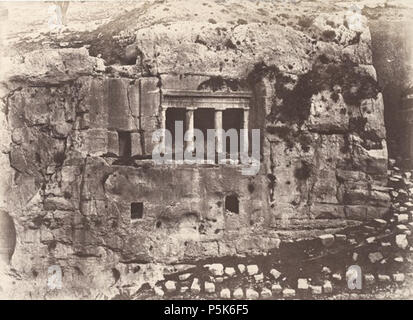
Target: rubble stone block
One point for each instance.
(401, 241)
(276, 289)
(275, 274)
(238, 293)
(209, 287)
(399, 277)
(259, 277)
(375, 257)
(288, 293)
(316, 290)
(251, 294)
(302, 284)
(241, 268)
(195, 287)
(327, 239)
(230, 271)
(170, 286)
(369, 278)
(266, 293)
(225, 293)
(159, 292)
(217, 269)
(327, 287)
(383, 278)
(252, 269)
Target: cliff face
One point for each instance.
(73, 198)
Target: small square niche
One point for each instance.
(136, 210)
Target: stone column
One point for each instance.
(245, 132)
(189, 145)
(218, 131)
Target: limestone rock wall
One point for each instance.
(314, 98)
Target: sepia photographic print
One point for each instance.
(226, 150)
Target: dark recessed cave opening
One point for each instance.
(232, 204)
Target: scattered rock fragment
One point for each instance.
(316, 290)
(326, 270)
(288, 293)
(401, 241)
(375, 257)
(399, 259)
(184, 276)
(275, 274)
(217, 269)
(276, 289)
(159, 292)
(230, 271)
(241, 268)
(398, 277)
(195, 287)
(170, 286)
(219, 279)
(251, 294)
(340, 237)
(225, 293)
(259, 277)
(401, 218)
(252, 269)
(266, 293)
(327, 239)
(327, 287)
(209, 287)
(337, 277)
(302, 284)
(238, 293)
(380, 222)
(383, 278)
(355, 256)
(369, 278)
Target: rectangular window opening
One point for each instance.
(136, 211)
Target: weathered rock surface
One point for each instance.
(82, 200)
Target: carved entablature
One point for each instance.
(206, 99)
